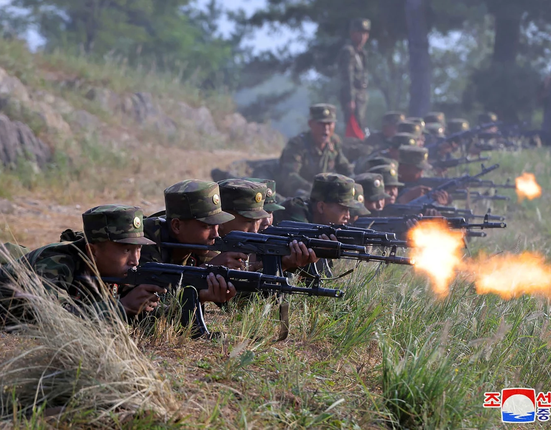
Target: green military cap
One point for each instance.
(409, 127)
(195, 199)
(323, 112)
(380, 161)
(403, 139)
(457, 125)
(333, 188)
(115, 223)
(438, 117)
(374, 186)
(390, 175)
(359, 209)
(419, 121)
(360, 24)
(414, 156)
(435, 129)
(393, 118)
(486, 117)
(244, 197)
(270, 204)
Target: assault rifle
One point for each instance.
(455, 162)
(272, 248)
(398, 225)
(462, 135)
(475, 196)
(445, 211)
(472, 183)
(172, 276)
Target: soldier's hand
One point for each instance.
(219, 290)
(300, 256)
(231, 260)
(442, 197)
(432, 212)
(412, 222)
(413, 193)
(351, 106)
(141, 298)
(330, 237)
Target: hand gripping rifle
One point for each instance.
(173, 276)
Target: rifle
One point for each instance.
(172, 276)
(271, 248)
(475, 196)
(398, 225)
(446, 211)
(343, 233)
(473, 183)
(452, 184)
(455, 162)
(457, 137)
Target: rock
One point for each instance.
(199, 119)
(18, 141)
(84, 120)
(12, 87)
(6, 207)
(107, 100)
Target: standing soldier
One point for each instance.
(353, 72)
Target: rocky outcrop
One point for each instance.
(17, 141)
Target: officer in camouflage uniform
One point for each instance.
(374, 191)
(316, 151)
(110, 246)
(352, 64)
(390, 179)
(330, 202)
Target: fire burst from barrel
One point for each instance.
(527, 187)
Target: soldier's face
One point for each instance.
(409, 173)
(321, 131)
(377, 205)
(359, 38)
(114, 259)
(240, 223)
(333, 213)
(389, 130)
(194, 231)
(393, 193)
(266, 222)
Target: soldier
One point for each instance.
(193, 216)
(316, 151)
(270, 205)
(352, 63)
(381, 139)
(360, 209)
(435, 117)
(374, 191)
(457, 125)
(110, 246)
(363, 166)
(414, 129)
(401, 139)
(486, 118)
(330, 202)
(390, 179)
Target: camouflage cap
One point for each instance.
(419, 121)
(244, 197)
(435, 129)
(333, 188)
(323, 112)
(403, 139)
(359, 209)
(380, 161)
(390, 175)
(414, 156)
(195, 199)
(393, 118)
(486, 117)
(457, 125)
(115, 223)
(409, 127)
(360, 24)
(270, 205)
(438, 117)
(374, 186)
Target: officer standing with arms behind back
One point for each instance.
(352, 63)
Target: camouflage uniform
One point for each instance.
(190, 199)
(66, 267)
(353, 75)
(301, 160)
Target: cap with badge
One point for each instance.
(373, 185)
(244, 197)
(419, 121)
(360, 24)
(333, 188)
(323, 112)
(435, 129)
(270, 205)
(457, 125)
(115, 223)
(487, 117)
(359, 209)
(403, 139)
(378, 161)
(195, 199)
(390, 175)
(438, 117)
(409, 127)
(393, 118)
(414, 156)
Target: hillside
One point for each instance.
(74, 134)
